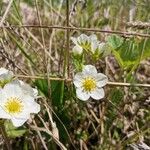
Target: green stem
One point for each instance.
(66, 55)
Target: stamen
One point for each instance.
(89, 84)
(13, 105)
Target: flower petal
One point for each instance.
(34, 107)
(77, 50)
(97, 94)
(35, 92)
(3, 70)
(30, 105)
(101, 79)
(24, 114)
(82, 95)
(5, 74)
(100, 48)
(92, 38)
(4, 114)
(12, 90)
(27, 98)
(17, 122)
(28, 89)
(89, 70)
(94, 46)
(78, 79)
(74, 40)
(83, 39)
(3, 97)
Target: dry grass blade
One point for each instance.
(6, 12)
(81, 29)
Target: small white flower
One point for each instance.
(77, 50)
(89, 83)
(16, 104)
(5, 76)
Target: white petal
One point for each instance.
(35, 92)
(93, 37)
(10, 75)
(74, 40)
(27, 98)
(89, 70)
(94, 46)
(78, 79)
(101, 45)
(83, 39)
(3, 97)
(24, 114)
(12, 90)
(3, 70)
(82, 95)
(30, 106)
(5, 74)
(33, 107)
(77, 50)
(17, 122)
(4, 114)
(101, 79)
(97, 94)
(27, 89)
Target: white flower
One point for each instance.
(89, 83)
(77, 50)
(5, 76)
(16, 104)
(90, 43)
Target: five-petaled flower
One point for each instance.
(17, 102)
(89, 83)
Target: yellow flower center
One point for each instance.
(13, 105)
(89, 84)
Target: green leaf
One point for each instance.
(129, 52)
(126, 51)
(12, 131)
(55, 88)
(42, 85)
(114, 41)
(58, 105)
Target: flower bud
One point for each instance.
(77, 50)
